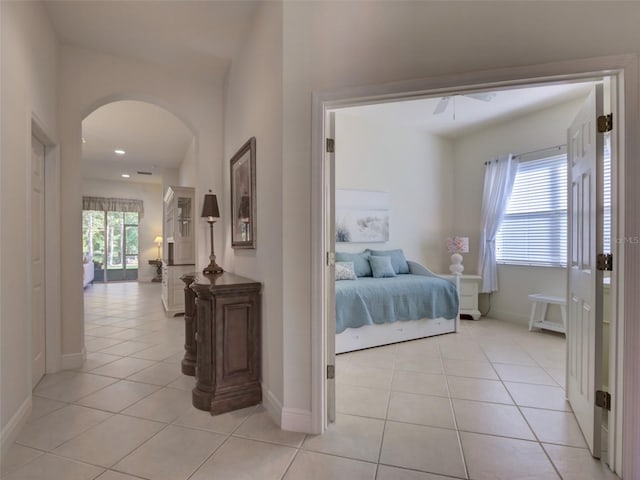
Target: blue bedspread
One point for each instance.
(368, 300)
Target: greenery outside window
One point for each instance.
(110, 239)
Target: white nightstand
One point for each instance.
(469, 288)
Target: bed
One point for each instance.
(410, 302)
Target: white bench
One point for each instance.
(539, 304)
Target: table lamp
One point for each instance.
(210, 211)
(158, 242)
(456, 246)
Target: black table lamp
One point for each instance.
(210, 211)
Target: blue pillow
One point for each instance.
(381, 266)
(398, 259)
(360, 262)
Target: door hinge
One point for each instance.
(331, 372)
(331, 259)
(603, 399)
(604, 262)
(605, 123)
(331, 145)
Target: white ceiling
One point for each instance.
(200, 38)
(470, 114)
(152, 138)
(197, 37)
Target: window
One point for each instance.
(110, 240)
(534, 228)
(606, 201)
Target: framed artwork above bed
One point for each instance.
(362, 216)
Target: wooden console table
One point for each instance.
(158, 264)
(228, 317)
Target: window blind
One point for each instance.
(534, 228)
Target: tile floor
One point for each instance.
(487, 403)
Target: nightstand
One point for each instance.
(469, 288)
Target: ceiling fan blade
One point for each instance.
(442, 105)
(484, 96)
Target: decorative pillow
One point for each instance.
(398, 259)
(381, 266)
(344, 271)
(360, 262)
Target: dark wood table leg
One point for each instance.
(190, 327)
(205, 381)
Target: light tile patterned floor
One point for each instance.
(487, 403)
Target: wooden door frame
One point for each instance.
(626, 337)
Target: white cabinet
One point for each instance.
(173, 287)
(179, 208)
(180, 245)
(469, 288)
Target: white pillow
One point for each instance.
(345, 271)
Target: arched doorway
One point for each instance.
(131, 152)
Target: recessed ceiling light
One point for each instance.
(125, 175)
(84, 140)
(120, 152)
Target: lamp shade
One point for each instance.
(458, 244)
(157, 240)
(210, 206)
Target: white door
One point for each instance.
(330, 273)
(584, 293)
(37, 263)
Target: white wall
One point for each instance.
(150, 224)
(28, 91)
(188, 170)
(330, 45)
(415, 168)
(542, 129)
(88, 80)
(253, 107)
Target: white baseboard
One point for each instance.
(12, 428)
(71, 361)
(272, 405)
(290, 419)
(296, 420)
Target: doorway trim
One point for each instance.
(623, 68)
(53, 317)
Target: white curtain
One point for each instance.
(498, 183)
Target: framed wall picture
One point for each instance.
(243, 196)
(362, 216)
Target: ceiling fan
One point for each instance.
(444, 101)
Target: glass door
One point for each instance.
(110, 241)
(93, 241)
(122, 246)
(130, 245)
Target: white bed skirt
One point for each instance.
(369, 336)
